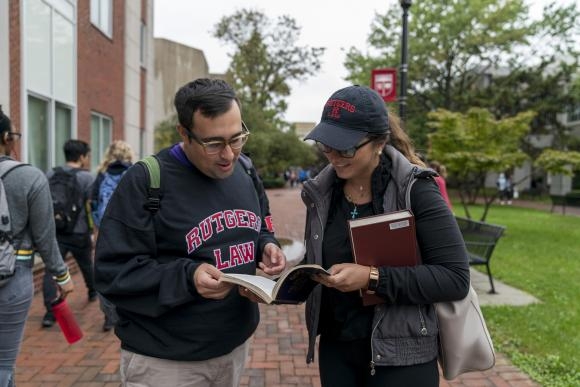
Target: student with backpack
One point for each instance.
(71, 187)
(167, 235)
(26, 228)
(117, 159)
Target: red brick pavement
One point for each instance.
(278, 348)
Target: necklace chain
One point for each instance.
(354, 212)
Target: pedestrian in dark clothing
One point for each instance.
(178, 324)
(76, 238)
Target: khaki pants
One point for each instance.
(144, 371)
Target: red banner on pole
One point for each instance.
(384, 81)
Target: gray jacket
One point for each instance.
(401, 334)
(32, 217)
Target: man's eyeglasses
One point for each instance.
(217, 145)
(347, 153)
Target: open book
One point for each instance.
(292, 287)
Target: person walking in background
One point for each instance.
(504, 186)
(440, 180)
(117, 159)
(70, 187)
(161, 265)
(372, 170)
(32, 229)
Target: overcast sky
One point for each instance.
(334, 24)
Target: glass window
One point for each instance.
(49, 40)
(38, 55)
(64, 59)
(38, 133)
(62, 132)
(573, 114)
(101, 132)
(102, 16)
(143, 45)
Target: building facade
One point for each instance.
(77, 69)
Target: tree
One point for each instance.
(165, 133)
(265, 59)
(453, 43)
(471, 145)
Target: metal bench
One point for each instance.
(563, 201)
(480, 239)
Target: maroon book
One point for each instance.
(384, 240)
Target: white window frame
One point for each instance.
(143, 45)
(98, 18)
(573, 114)
(98, 149)
(66, 9)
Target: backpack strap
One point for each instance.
(7, 165)
(250, 170)
(154, 169)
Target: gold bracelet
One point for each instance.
(373, 280)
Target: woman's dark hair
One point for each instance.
(399, 139)
(5, 123)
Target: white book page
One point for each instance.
(267, 285)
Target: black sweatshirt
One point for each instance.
(144, 262)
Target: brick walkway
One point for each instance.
(278, 348)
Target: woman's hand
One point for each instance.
(346, 277)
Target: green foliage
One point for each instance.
(165, 133)
(274, 151)
(538, 255)
(471, 145)
(266, 58)
(559, 162)
(273, 182)
(453, 43)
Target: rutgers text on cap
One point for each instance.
(348, 116)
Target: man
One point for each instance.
(76, 237)
(32, 228)
(162, 268)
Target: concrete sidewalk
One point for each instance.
(278, 348)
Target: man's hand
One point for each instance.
(273, 260)
(245, 292)
(346, 277)
(66, 288)
(206, 281)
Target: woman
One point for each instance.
(117, 159)
(440, 181)
(32, 226)
(372, 170)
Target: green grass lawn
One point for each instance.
(540, 254)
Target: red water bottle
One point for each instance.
(66, 320)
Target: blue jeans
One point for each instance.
(15, 300)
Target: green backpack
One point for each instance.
(154, 168)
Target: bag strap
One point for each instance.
(7, 165)
(154, 169)
(153, 166)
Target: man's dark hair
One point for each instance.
(74, 149)
(212, 97)
(5, 124)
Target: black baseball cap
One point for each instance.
(349, 115)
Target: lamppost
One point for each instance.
(405, 4)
